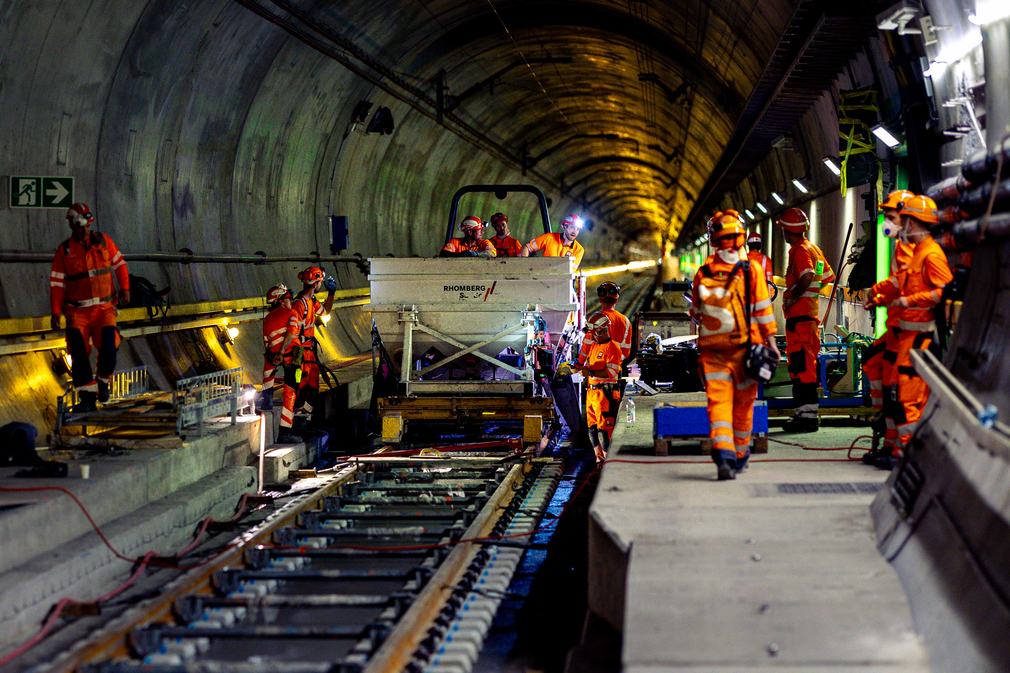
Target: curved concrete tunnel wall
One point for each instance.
(205, 127)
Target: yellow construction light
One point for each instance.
(232, 334)
(631, 266)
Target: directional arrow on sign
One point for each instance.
(57, 192)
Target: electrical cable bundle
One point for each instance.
(975, 203)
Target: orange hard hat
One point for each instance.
(311, 274)
(921, 208)
(499, 218)
(896, 199)
(471, 222)
(598, 321)
(727, 223)
(794, 220)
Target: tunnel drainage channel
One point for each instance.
(829, 488)
(369, 577)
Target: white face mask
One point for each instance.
(890, 229)
(731, 256)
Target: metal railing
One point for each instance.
(201, 397)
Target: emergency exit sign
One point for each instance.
(29, 191)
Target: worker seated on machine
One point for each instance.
(472, 244)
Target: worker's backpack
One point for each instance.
(721, 307)
(143, 293)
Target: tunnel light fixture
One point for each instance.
(832, 166)
(778, 199)
(227, 335)
(885, 136)
(749, 214)
(800, 186)
(762, 208)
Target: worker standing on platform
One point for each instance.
(620, 327)
(806, 271)
(719, 302)
(758, 258)
(877, 358)
(80, 284)
(504, 244)
(275, 327)
(560, 245)
(602, 368)
(472, 244)
(914, 291)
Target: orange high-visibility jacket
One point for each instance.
(803, 259)
(507, 247)
(609, 354)
(554, 246)
(899, 260)
(302, 321)
(620, 332)
(718, 302)
(460, 245)
(763, 261)
(921, 283)
(82, 277)
(275, 327)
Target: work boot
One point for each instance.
(287, 438)
(886, 461)
(266, 400)
(801, 424)
(726, 472)
(85, 403)
(103, 391)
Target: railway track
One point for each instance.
(395, 564)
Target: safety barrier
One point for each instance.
(206, 396)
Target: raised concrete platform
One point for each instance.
(776, 569)
(145, 495)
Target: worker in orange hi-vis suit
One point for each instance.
(504, 244)
(81, 286)
(301, 336)
(806, 271)
(914, 291)
(758, 258)
(602, 367)
(620, 327)
(712, 222)
(275, 328)
(877, 358)
(472, 244)
(719, 305)
(559, 245)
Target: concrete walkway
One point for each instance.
(776, 569)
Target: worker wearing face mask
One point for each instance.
(914, 292)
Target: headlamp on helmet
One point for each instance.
(573, 221)
(79, 215)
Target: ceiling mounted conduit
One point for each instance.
(815, 47)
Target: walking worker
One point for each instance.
(806, 271)
(914, 292)
(504, 244)
(472, 244)
(758, 258)
(620, 327)
(719, 303)
(81, 286)
(560, 244)
(602, 367)
(877, 358)
(275, 327)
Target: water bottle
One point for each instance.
(988, 416)
(630, 410)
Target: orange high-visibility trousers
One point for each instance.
(601, 409)
(873, 367)
(731, 395)
(905, 393)
(802, 346)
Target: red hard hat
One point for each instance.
(498, 218)
(278, 292)
(471, 222)
(755, 237)
(794, 220)
(312, 274)
(573, 220)
(79, 214)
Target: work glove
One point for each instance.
(330, 284)
(469, 253)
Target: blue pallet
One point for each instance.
(685, 420)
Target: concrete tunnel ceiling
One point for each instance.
(628, 117)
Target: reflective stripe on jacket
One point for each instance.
(718, 302)
(82, 277)
(275, 328)
(460, 245)
(803, 259)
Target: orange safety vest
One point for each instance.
(82, 277)
(620, 333)
(302, 322)
(507, 247)
(460, 245)
(554, 246)
(803, 259)
(762, 261)
(275, 327)
(921, 283)
(610, 353)
(719, 304)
